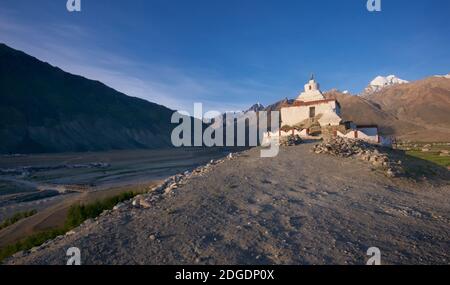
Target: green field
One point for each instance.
(433, 152)
(431, 156)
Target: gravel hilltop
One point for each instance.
(296, 208)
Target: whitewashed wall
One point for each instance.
(354, 134)
(291, 116)
(358, 134)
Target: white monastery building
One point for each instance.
(312, 104)
(312, 115)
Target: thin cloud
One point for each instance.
(165, 85)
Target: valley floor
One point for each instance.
(296, 208)
(51, 189)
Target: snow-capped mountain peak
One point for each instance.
(387, 81)
(443, 76)
(381, 82)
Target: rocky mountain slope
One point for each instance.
(365, 112)
(424, 102)
(44, 109)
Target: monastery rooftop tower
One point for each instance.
(312, 92)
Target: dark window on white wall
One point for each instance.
(312, 112)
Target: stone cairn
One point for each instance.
(376, 155)
(290, 140)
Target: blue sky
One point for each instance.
(229, 54)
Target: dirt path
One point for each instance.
(297, 208)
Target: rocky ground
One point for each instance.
(379, 157)
(290, 140)
(297, 208)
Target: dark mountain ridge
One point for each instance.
(44, 109)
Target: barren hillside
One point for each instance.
(418, 110)
(425, 103)
(364, 112)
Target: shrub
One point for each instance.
(17, 217)
(77, 214)
(30, 242)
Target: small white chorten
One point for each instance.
(312, 92)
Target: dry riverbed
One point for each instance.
(297, 208)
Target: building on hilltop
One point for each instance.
(312, 115)
(311, 106)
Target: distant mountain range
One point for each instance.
(44, 109)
